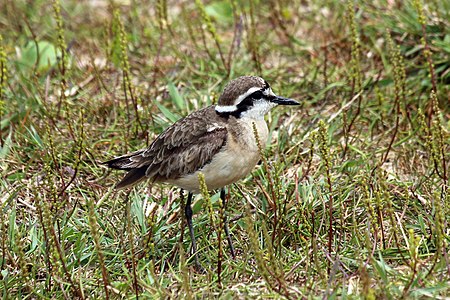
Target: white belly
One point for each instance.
(235, 161)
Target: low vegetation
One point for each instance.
(350, 200)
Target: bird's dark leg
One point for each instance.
(188, 214)
(225, 223)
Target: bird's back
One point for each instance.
(181, 149)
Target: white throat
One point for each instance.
(258, 110)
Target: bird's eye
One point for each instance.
(257, 95)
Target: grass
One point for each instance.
(350, 200)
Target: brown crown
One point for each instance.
(239, 86)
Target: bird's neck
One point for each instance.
(247, 127)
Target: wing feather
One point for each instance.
(181, 149)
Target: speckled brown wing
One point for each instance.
(186, 146)
(181, 149)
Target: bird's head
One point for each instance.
(249, 96)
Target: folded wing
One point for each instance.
(181, 149)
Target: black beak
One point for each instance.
(283, 101)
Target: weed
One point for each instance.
(356, 205)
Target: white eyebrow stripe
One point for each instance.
(268, 92)
(225, 108)
(246, 94)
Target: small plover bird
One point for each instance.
(218, 141)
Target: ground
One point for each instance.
(350, 199)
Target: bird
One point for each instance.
(219, 141)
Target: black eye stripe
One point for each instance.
(247, 103)
(256, 95)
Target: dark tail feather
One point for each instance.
(132, 177)
(125, 162)
(136, 172)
